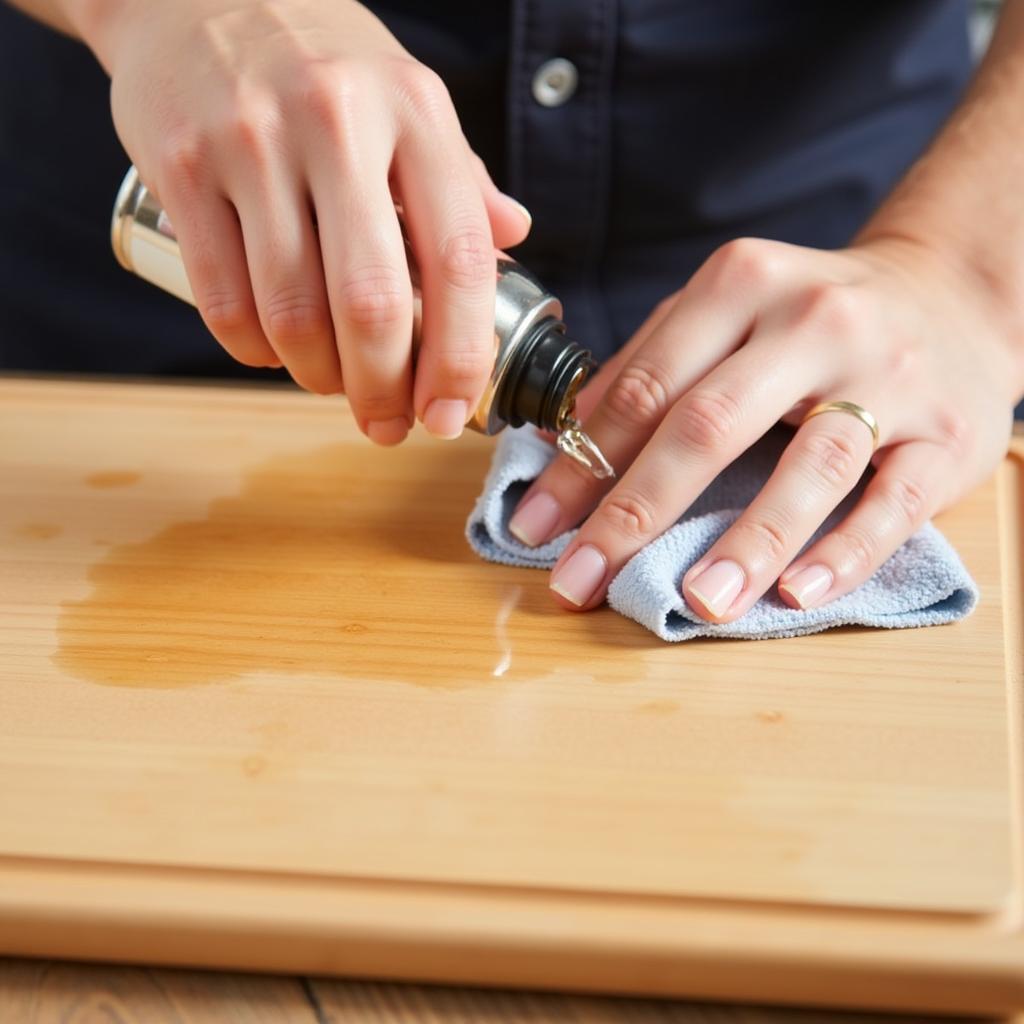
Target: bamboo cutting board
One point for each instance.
(261, 707)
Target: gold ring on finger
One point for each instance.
(852, 409)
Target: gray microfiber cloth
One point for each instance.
(923, 584)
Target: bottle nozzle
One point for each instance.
(542, 387)
(575, 442)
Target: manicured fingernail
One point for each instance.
(527, 216)
(580, 576)
(717, 586)
(445, 417)
(534, 520)
(809, 585)
(388, 432)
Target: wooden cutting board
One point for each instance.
(261, 707)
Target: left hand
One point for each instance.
(762, 332)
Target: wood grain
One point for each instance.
(47, 992)
(259, 706)
(354, 1002)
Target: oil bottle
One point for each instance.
(538, 370)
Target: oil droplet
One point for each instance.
(112, 478)
(501, 629)
(770, 717)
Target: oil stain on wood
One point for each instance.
(325, 563)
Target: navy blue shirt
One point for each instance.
(692, 122)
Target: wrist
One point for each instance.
(98, 23)
(947, 268)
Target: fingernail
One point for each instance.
(580, 576)
(445, 417)
(388, 432)
(534, 520)
(717, 586)
(809, 585)
(527, 216)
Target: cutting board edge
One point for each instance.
(872, 959)
(883, 959)
(1011, 519)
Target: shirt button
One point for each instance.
(555, 82)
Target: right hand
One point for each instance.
(278, 137)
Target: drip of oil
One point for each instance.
(575, 442)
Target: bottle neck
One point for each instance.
(544, 375)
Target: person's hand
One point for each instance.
(762, 332)
(279, 137)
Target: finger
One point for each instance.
(703, 432)
(593, 391)
(910, 485)
(451, 241)
(283, 256)
(819, 467)
(595, 388)
(369, 289)
(210, 240)
(707, 322)
(510, 220)
(347, 158)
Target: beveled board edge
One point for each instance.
(513, 937)
(1011, 546)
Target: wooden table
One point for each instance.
(261, 708)
(45, 992)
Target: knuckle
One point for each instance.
(629, 514)
(184, 161)
(463, 368)
(294, 316)
(227, 316)
(373, 301)
(326, 94)
(859, 550)
(744, 264)
(830, 308)
(764, 535)
(901, 362)
(424, 92)
(705, 421)
(639, 396)
(376, 405)
(955, 431)
(831, 459)
(906, 499)
(467, 259)
(251, 123)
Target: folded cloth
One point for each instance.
(923, 584)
